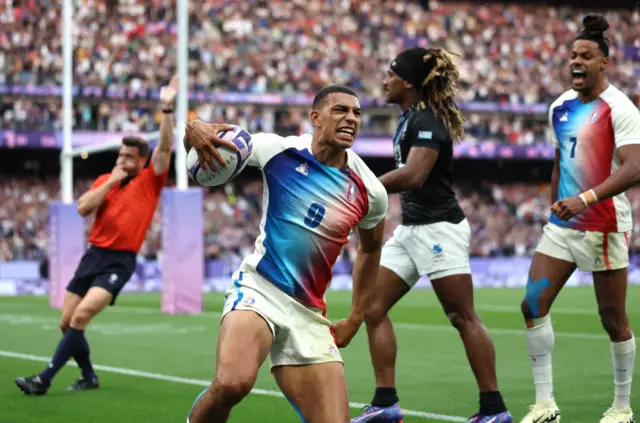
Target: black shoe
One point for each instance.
(32, 385)
(83, 384)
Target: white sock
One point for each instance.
(540, 340)
(623, 355)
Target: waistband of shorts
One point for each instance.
(112, 251)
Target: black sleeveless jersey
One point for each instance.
(435, 201)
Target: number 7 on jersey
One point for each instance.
(574, 142)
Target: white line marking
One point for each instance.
(205, 383)
(46, 323)
(406, 326)
(558, 310)
(402, 326)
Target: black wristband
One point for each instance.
(167, 110)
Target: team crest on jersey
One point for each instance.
(351, 192)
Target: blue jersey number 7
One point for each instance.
(574, 142)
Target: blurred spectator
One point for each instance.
(512, 53)
(506, 220)
(27, 115)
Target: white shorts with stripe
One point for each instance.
(301, 334)
(437, 250)
(590, 251)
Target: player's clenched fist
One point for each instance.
(569, 207)
(344, 331)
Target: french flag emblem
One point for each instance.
(351, 192)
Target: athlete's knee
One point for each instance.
(231, 390)
(81, 318)
(535, 303)
(613, 322)
(376, 314)
(462, 319)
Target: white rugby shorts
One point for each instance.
(591, 251)
(437, 250)
(301, 335)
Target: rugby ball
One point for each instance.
(236, 160)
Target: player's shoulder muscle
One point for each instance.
(376, 192)
(267, 145)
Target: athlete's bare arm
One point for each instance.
(412, 175)
(161, 156)
(365, 274)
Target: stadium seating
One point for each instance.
(511, 54)
(506, 220)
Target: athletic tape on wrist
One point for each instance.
(589, 197)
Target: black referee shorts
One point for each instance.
(108, 269)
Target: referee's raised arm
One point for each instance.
(161, 157)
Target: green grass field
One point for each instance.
(153, 365)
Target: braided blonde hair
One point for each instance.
(439, 90)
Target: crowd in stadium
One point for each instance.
(28, 115)
(510, 53)
(506, 220)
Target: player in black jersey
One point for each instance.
(433, 238)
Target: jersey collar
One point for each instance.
(410, 110)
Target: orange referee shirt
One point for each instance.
(123, 218)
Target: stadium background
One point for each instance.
(257, 64)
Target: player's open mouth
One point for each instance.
(578, 76)
(346, 134)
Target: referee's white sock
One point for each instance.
(540, 340)
(623, 355)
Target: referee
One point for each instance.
(125, 201)
(433, 239)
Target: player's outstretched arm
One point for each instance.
(161, 157)
(365, 274)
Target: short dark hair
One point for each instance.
(139, 143)
(594, 27)
(320, 98)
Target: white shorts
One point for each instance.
(590, 251)
(301, 335)
(436, 250)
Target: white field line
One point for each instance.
(205, 383)
(404, 326)
(479, 307)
